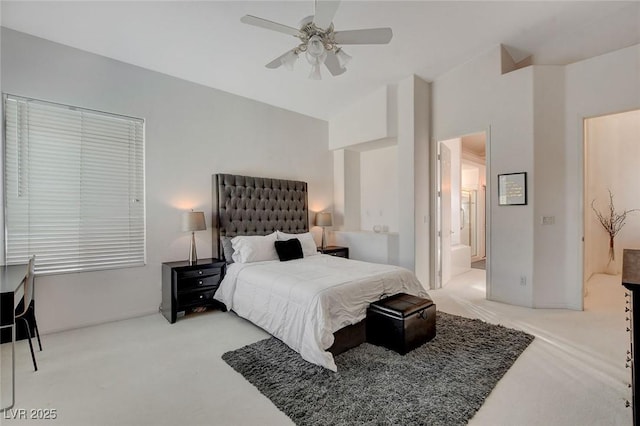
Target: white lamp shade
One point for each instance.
(193, 221)
(324, 219)
(343, 58)
(289, 60)
(315, 73)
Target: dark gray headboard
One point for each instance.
(246, 205)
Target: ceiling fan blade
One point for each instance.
(368, 36)
(269, 25)
(325, 10)
(333, 65)
(278, 61)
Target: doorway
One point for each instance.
(461, 206)
(611, 179)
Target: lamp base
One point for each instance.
(193, 256)
(324, 241)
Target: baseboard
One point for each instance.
(556, 306)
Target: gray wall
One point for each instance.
(192, 132)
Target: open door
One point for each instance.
(445, 215)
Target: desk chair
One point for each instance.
(28, 311)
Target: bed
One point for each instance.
(315, 304)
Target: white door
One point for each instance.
(445, 214)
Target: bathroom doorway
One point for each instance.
(611, 181)
(461, 206)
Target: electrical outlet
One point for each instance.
(548, 220)
(523, 280)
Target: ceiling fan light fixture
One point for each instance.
(315, 72)
(316, 60)
(315, 47)
(343, 58)
(319, 41)
(289, 60)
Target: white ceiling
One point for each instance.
(205, 42)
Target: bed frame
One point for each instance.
(246, 205)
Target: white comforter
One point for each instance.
(303, 302)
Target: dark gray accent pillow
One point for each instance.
(227, 249)
(289, 250)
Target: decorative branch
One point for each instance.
(613, 222)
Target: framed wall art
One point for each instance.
(512, 189)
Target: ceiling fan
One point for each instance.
(319, 41)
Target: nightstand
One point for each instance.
(186, 286)
(337, 251)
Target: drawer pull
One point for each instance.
(626, 309)
(628, 329)
(628, 352)
(627, 319)
(200, 282)
(626, 404)
(199, 272)
(628, 359)
(627, 365)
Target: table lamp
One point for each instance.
(323, 219)
(193, 221)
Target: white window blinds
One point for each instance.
(74, 187)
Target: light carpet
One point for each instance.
(443, 382)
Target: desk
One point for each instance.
(11, 291)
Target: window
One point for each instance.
(74, 187)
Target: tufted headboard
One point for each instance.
(246, 205)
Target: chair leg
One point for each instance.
(33, 355)
(35, 323)
(35, 326)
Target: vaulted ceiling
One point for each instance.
(205, 42)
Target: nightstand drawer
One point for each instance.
(338, 254)
(200, 272)
(196, 297)
(191, 283)
(336, 251)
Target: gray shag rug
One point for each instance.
(443, 382)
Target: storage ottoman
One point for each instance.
(401, 322)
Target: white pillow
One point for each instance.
(254, 248)
(307, 242)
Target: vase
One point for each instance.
(612, 268)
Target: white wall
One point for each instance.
(613, 163)
(535, 116)
(602, 85)
(549, 159)
(192, 132)
(476, 97)
(346, 184)
(406, 108)
(369, 246)
(371, 118)
(470, 175)
(422, 189)
(379, 189)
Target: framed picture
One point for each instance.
(512, 189)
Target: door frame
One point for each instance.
(435, 261)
